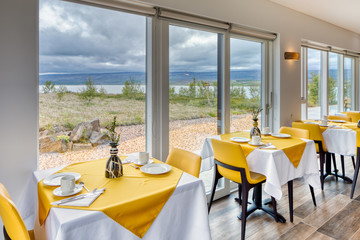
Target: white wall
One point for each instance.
(292, 27)
(18, 94)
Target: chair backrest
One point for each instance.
(355, 116)
(335, 117)
(10, 216)
(187, 161)
(295, 132)
(233, 155)
(314, 132)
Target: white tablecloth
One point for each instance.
(184, 216)
(275, 165)
(340, 141)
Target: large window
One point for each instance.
(246, 77)
(92, 66)
(328, 83)
(348, 83)
(335, 82)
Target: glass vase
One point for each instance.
(114, 167)
(255, 131)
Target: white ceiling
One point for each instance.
(342, 13)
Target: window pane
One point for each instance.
(314, 83)
(92, 66)
(193, 90)
(245, 81)
(348, 83)
(334, 83)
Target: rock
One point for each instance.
(44, 133)
(81, 146)
(69, 146)
(95, 125)
(81, 132)
(98, 138)
(46, 140)
(53, 146)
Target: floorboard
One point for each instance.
(336, 216)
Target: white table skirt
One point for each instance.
(275, 165)
(340, 141)
(184, 216)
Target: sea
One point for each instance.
(113, 83)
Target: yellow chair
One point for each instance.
(335, 117)
(14, 226)
(295, 132)
(187, 161)
(316, 135)
(355, 116)
(230, 162)
(299, 133)
(356, 172)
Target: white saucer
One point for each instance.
(323, 125)
(54, 180)
(59, 193)
(156, 168)
(259, 144)
(239, 139)
(142, 164)
(337, 121)
(281, 135)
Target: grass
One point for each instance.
(71, 110)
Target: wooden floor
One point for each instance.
(335, 217)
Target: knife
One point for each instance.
(82, 196)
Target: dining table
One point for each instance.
(286, 159)
(138, 205)
(339, 138)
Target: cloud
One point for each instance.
(77, 38)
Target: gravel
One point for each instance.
(186, 134)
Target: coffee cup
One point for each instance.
(266, 130)
(67, 184)
(324, 122)
(256, 140)
(325, 117)
(143, 157)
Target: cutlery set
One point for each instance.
(78, 197)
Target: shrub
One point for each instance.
(48, 87)
(63, 137)
(89, 92)
(61, 91)
(132, 90)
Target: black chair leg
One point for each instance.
(6, 236)
(322, 162)
(356, 172)
(245, 192)
(335, 168)
(342, 165)
(313, 195)
(216, 179)
(290, 191)
(353, 161)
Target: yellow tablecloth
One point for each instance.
(349, 125)
(292, 147)
(133, 200)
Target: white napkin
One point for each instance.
(85, 202)
(269, 147)
(132, 157)
(311, 123)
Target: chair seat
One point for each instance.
(256, 177)
(31, 234)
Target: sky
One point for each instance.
(76, 38)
